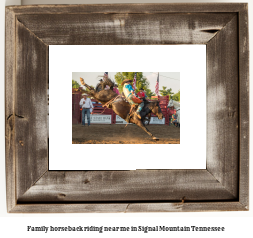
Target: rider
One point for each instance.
(115, 89)
(130, 96)
(141, 94)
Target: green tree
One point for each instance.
(141, 81)
(119, 79)
(149, 93)
(176, 96)
(75, 84)
(165, 91)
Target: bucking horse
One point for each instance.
(122, 108)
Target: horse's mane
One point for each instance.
(176, 104)
(149, 103)
(98, 87)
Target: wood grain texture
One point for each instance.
(140, 185)
(129, 207)
(9, 109)
(186, 207)
(132, 29)
(244, 106)
(155, 8)
(222, 107)
(30, 108)
(223, 186)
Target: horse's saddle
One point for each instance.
(136, 100)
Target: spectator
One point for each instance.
(91, 109)
(115, 89)
(141, 94)
(100, 104)
(174, 119)
(86, 105)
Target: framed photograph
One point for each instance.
(220, 182)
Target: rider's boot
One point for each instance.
(139, 109)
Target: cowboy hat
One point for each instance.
(126, 81)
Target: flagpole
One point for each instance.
(157, 86)
(134, 81)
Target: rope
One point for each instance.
(111, 101)
(106, 105)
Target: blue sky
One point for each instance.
(168, 79)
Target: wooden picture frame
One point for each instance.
(222, 186)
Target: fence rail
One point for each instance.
(99, 112)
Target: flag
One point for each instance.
(134, 82)
(157, 85)
(105, 76)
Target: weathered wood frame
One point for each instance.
(222, 186)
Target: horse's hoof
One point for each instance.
(155, 138)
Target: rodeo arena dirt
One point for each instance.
(108, 128)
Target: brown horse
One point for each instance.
(122, 107)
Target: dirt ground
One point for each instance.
(119, 134)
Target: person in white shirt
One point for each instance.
(86, 105)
